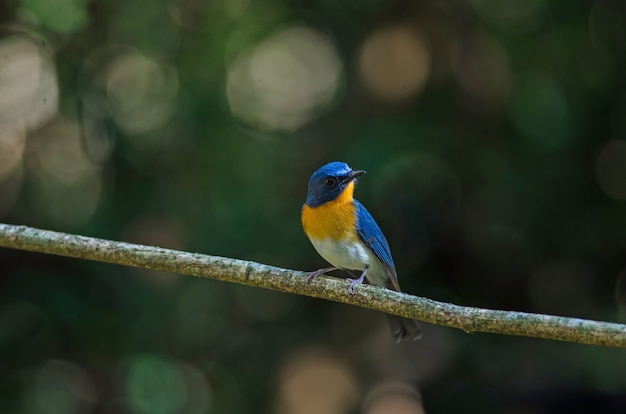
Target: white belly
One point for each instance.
(351, 255)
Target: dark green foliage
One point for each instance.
(498, 177)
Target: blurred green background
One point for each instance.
(493, 133)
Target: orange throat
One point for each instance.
(334, 219)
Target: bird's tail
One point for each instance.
(404, 329)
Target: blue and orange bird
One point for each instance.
(345, 234)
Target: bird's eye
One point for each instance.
(329, 181)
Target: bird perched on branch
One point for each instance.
(345, 234)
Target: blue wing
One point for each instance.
(373, 237)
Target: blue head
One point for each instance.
(329, 182)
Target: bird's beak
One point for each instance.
(353, 175)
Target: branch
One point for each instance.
(371, 297)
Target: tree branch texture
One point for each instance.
(371, 297)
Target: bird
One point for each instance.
(346, 235)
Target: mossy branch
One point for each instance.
(371, 297)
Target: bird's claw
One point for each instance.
(357, 282)
(353, 284)
(312, 275)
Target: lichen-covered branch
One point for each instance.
(292, 281)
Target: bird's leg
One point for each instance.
(356, 282)
(316, 273)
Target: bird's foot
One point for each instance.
(312, 275)
(356, 282)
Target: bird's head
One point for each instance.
(330, 182)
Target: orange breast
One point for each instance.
(335, 219)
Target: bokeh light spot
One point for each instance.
(313, 381)
(285, 80)
(60, 387)
(394, 63)
(393, 397)
(141, 92)
(67, 185)
(611, 169)
(28, 85)
(154, 385)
